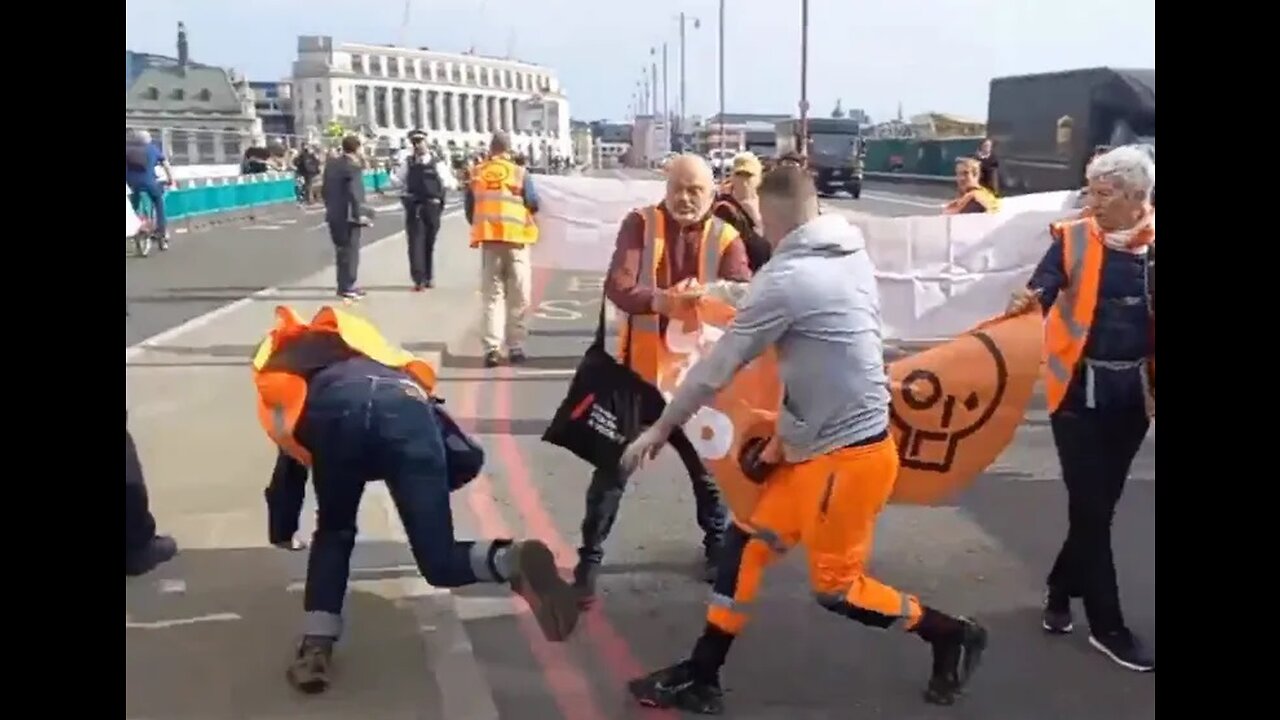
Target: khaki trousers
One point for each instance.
(505, 273)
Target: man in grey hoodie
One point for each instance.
(830, 468)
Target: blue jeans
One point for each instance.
(360, 429)
(156, 193)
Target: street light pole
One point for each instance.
(666, 110)
(680, 120)
(804, 78)
(721, 62)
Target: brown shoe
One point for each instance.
(309, 672)
(538, 581)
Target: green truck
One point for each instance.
(835, 152)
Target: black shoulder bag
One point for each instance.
(607, 405)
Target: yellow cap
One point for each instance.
(747, 163)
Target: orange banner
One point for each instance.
(955, 407)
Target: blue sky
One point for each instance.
(934, 55)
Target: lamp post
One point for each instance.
(684, 17)
(721, 72)
(804, 78)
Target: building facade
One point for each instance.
(458, 99)
(650, 140)
(198, 113)
(273, 103)
(742, 131)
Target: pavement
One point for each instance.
(208, 635)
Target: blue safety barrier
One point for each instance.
(198, 198)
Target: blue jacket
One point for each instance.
(1120, 334)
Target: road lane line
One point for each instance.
(200, 321)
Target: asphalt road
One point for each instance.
(206, 269)
(984, 555)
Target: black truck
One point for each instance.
(835, 152)
(1045, 127)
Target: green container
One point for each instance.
(215, 195)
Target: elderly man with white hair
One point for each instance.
(141, 158)
(1096, 286)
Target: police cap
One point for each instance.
(417, 136)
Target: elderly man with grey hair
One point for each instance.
(1096, 287)
(141, 158)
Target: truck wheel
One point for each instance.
(855, 191)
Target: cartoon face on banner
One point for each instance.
(957, 406)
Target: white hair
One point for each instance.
(142, 136)
(1128, 166)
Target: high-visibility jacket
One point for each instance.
(983, 196)
(282, 390)
(499, 213)
(646, 344)
(1069, 319)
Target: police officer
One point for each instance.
(425, 187)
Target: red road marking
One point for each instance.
(567, 684)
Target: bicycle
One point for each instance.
(147, 236)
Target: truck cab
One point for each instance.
(834, 153)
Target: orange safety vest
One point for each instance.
(282, 393)
(499, 213)
(1069, 319)
(985, 198)
(646, 344)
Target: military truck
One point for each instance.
(1045, 127)
(835, 152)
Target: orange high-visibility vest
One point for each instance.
(499, 213)
(282, 392)
(983, 196)
(646, 330)
(1071, 316)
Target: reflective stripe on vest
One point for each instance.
(498, 210)
(645, 329)
(1071, 316)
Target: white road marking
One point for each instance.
(200, 321)
(162, 624)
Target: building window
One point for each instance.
(455, 74)
(357, 63)
(319, 88)
(448, 112)
(415, 108)
(375, 66)
(179, 153)
(205, 147)
(177, 94)
(393, 67)
(152, 93)
(204, 95)
(339, 104)
(231, 143)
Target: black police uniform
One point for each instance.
(423, 201)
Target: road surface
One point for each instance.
(208, 636)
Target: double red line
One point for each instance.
(565, 680)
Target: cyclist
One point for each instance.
(141, 158)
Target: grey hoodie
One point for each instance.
(816, 300)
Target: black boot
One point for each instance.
(958, 644)
(584, 583)
(678, 687)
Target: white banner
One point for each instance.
(938, 275)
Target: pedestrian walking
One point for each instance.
(347, 214)
(426, 182)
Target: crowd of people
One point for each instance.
(346, 407)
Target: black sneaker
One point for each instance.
(516, 356)
(492, 359)
(1056, 616)
(309, 672)
(955, 659)
(538, 581)
(161, 549)
(676, 687)
(1125, 649)
(584, 583)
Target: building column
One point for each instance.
(510, 113)
(387, 107)
(438, 108)
(491, 112)
(455, 112)
(465, 102)
(482, 114)
(422, 109)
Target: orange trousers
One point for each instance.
(828, 504)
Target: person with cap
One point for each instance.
(739, 206)
(425, 182)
